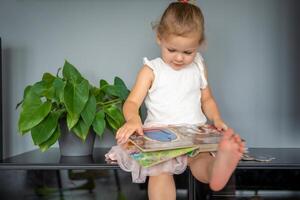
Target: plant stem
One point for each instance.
(109, 103)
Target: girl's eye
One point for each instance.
(171, 50)
(188, 52)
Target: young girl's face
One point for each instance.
(178, 51)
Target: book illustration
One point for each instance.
(149, 159)
(206, 138)
(162, 135)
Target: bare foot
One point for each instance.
(230, 151)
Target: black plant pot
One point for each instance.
(72, 145)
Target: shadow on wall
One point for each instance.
(295, 67)
(290, 68)
(7, 66)
(13, 80)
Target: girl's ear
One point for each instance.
(158, 39)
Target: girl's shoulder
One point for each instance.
(154, 64)
(199, 58)
(199, 61)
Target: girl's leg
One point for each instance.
(217, 171)
(201, 166)
(161, 187)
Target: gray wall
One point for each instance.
(252, 57)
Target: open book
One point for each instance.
(205, 137)
(159, 144)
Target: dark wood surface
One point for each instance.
(285, 158)
(51, 159)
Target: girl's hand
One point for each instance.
(220, 125)
(127, 130)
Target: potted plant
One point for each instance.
(69, 100)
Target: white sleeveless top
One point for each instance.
(174, 97)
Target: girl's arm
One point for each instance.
(210, 108)
(132, 104)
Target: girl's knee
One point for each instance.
(200, 158)
(163, 176)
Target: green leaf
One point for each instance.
(59, 86)
(81, 129)
(44, 130)
(101, 94)
(103, 83)
(89, 111)
(75, 98)
(113, 126)
(33, 111)
(72, 120)
(114, 117)
(123, 90)
(70, 73)
(26, 90)
(99, 123)
(116, 90)
(94, 91)
(44, 88)
(48, 78)
(47, 144)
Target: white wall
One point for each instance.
(252, 56)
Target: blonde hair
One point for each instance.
(181, 19)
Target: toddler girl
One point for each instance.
(175, 90)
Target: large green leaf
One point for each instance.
(72, 120)
(26, 90)
(44, 130)
(33, 111)
(123, 90)
(44, 88)
(70, 73)
(99, 123)
(75, 98)
(47, 144)
(89, 111)
(119, 89)
(116, 90)
(81, 129)
(112, 124)
(114, 117)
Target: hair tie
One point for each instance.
(193, 2)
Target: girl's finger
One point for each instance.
(128, 134)
(228, 133)
(125, 135)
(237, 138)
(225, 127)
(119, 132)
(121, 135)
(140, 131)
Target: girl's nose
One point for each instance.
(179, 57)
